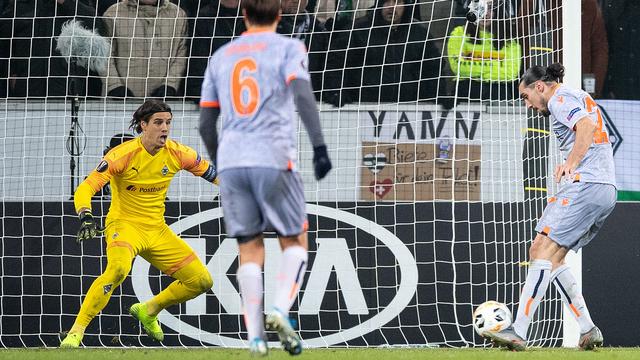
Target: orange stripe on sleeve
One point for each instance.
(290, 78)
(209, 104)
(189, 159)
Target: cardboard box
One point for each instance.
(413, 172)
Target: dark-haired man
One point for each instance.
(140, 171)
(573, 217)
(297, 22)
(257, 82)
(387, 57)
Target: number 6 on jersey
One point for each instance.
(245, 91)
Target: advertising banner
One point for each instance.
(622, 121)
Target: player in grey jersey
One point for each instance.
(257, 82)
(574, 216)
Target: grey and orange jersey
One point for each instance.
(567, 106)
(248, 79)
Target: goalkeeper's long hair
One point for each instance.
(145, 111)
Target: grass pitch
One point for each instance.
(318, 354)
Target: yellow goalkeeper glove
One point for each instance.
(88, 227)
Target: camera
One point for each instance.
(477, 10)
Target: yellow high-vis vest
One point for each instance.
(477, 59)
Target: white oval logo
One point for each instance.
(406, 261)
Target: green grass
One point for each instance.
(318, 354)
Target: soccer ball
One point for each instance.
(491, 316)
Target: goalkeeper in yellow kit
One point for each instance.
(140, 171)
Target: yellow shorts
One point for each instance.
(159, 245)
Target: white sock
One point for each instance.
(251, 284)
(290, 277)
(534, 289)
(572, 297)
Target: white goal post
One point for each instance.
(572, 59)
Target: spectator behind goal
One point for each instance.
(148, 48)
(389, 58)
(623, 28)
(30, 64)
(216, 25)
(595, 47)
(484, 59)
(298, 23)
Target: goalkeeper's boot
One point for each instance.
(591, 339)
(507, 338)
(288, 337)
(149, 323)
(258, 347)
(71, 341)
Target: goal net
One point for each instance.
(439, 176)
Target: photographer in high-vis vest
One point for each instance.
(485, 57)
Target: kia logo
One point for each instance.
(334, 256)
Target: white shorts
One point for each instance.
(575, 215)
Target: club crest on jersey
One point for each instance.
(102, 167)
(165, 170)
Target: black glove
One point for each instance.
(164, 91)
(321, 162)
(120, 92)
(88, 227)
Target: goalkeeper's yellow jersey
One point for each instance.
(139, 180)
